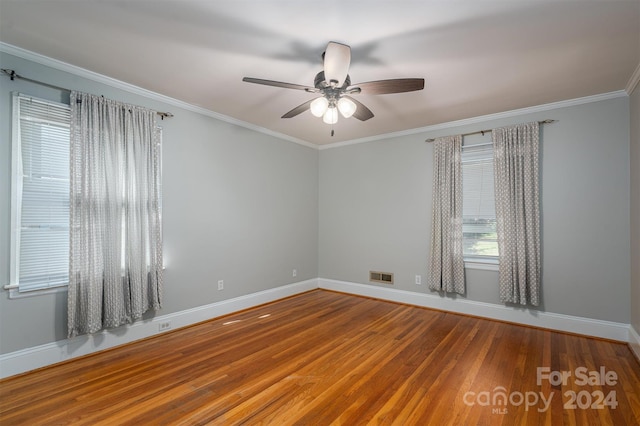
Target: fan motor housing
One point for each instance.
(320, 83)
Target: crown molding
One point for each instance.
(118, 84)
(483, 118)
(100, 78)
(633, 81)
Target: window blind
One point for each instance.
(41, 196)
(478, 203)
(477, 183)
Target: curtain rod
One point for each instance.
(482, 132)
(12, 75)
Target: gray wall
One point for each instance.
(375, 201)
(248, 208)
(239, 205)
(635, 208)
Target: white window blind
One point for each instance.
(478, 204)
(40, 194)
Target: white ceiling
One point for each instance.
(478, 57)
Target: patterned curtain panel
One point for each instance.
(115, 272)
(446, 262)
(517, 212)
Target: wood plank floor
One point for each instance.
(327, 358)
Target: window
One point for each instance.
(478, 204)
(40, 194)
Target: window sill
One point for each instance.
(14, 293)
(482, 264)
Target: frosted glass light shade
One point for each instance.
(347, 107)
(319, 106)
(331, 116)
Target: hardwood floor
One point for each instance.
(328, 358)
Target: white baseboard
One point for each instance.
(39, 356)
(550, 320)
(634, 341)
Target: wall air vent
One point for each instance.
(381, 277)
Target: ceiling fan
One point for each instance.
(333, 84)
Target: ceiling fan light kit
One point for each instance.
(334, 86)
(319, 106)
(330, 116)
(322, 107)
(347, 107)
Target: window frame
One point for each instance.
(17, 199)
(481, 262)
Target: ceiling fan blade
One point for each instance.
(383, 87)
(337, 58)
(362, 112)
(279, 84)
(298, 110)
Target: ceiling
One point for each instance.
(478, 57)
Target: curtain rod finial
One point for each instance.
(11, 73)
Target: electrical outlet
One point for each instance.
(220, 284)
(164, 326)
(295, 273)
(418, 279)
